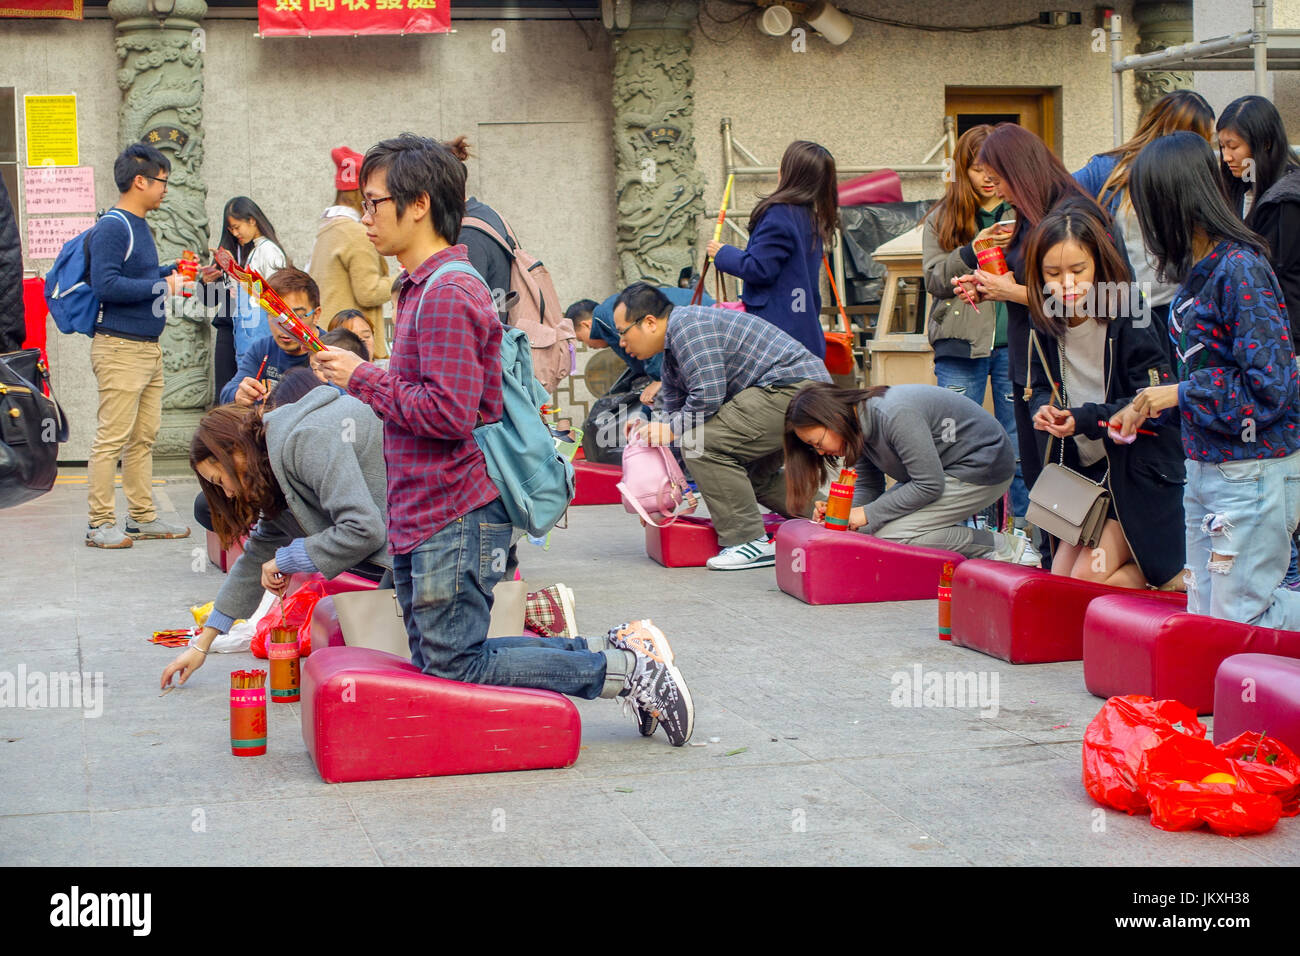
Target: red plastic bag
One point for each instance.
(1268, 766)
(1113, 745)
(1172, 779)
(298, 608)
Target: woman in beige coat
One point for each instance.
(350, 272)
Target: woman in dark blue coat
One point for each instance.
(781, 265)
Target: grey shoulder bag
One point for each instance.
(1063, 502)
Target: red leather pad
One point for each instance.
(1026, 615)
(1134, 645)
(368, 715)
(821, 566)
(594, 483)
(1259, 692)
(690, 542)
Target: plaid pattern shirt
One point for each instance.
(711, 355)
(444, 373)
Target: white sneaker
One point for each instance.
(1023, 553)
(759, 553)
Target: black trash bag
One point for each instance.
(31, 428)
(602, 433)
(866, 228)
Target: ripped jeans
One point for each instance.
(1245, 513)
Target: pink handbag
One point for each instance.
(653, 483)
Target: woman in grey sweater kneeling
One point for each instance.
(309, 479)
(949, 458)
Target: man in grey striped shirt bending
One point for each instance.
(727, 379)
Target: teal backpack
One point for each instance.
(536, 481)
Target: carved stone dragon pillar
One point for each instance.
(161, 77)
(1161, 24)
(659, 190)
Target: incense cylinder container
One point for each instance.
(248, 722)
(838, 506)
(282, 651)
(992, 259)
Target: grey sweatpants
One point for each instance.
(938, 524)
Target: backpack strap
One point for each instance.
(473, 222)
(130, 233)
(453, 266)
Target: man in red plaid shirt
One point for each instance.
(447, 527)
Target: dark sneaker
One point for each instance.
(155, 529)
(656, 686)
(641, 637)
(106, 536)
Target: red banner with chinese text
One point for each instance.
(296, 18)
(64, 9)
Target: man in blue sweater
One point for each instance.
(125, 355)
(267, 359)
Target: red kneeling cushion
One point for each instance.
(1258, 692)
(1135, 645)
(368, 715)
(690, 542)
(1026, 615)
(821, 566)
(594, 483)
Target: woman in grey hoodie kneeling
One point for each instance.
(309, 479)
(949, 458)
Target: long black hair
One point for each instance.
(1258, 122)
(1177, 190)
(243, 208)
(807, 179)
(821, 405)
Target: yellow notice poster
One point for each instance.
(51, 123)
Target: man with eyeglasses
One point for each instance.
(125, 356)
(728, 378)
(269, 358)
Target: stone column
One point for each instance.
(1161, 24)
(161, 77)
(660, 192)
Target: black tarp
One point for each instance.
(866, 228)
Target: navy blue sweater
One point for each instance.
(130, 288)
(278, 361)
(781, 267)
(1239, 396)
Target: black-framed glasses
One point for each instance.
(156, 179)
(623, 332)
(369, 206)
(304, 313)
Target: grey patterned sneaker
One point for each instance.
(155, 529)
(645, 638)
(656, 687)
(106, 536)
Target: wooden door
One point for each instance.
(1031, 107)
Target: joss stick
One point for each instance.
(1140, 431)
(698, 295)
(262, 368)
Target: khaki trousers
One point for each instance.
(130, 379)
(736, 459)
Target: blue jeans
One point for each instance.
(969, 377)
(444, 588)
(1245, 512)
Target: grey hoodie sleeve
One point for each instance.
(242, 590)
(322, 462)
(907, 432)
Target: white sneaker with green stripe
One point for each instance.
(759, 553)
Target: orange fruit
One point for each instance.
(1219, 778)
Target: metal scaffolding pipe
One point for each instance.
(1259, 46)
(1116, 79)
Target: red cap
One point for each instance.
(347, 165)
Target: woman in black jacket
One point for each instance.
(1098, 353)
